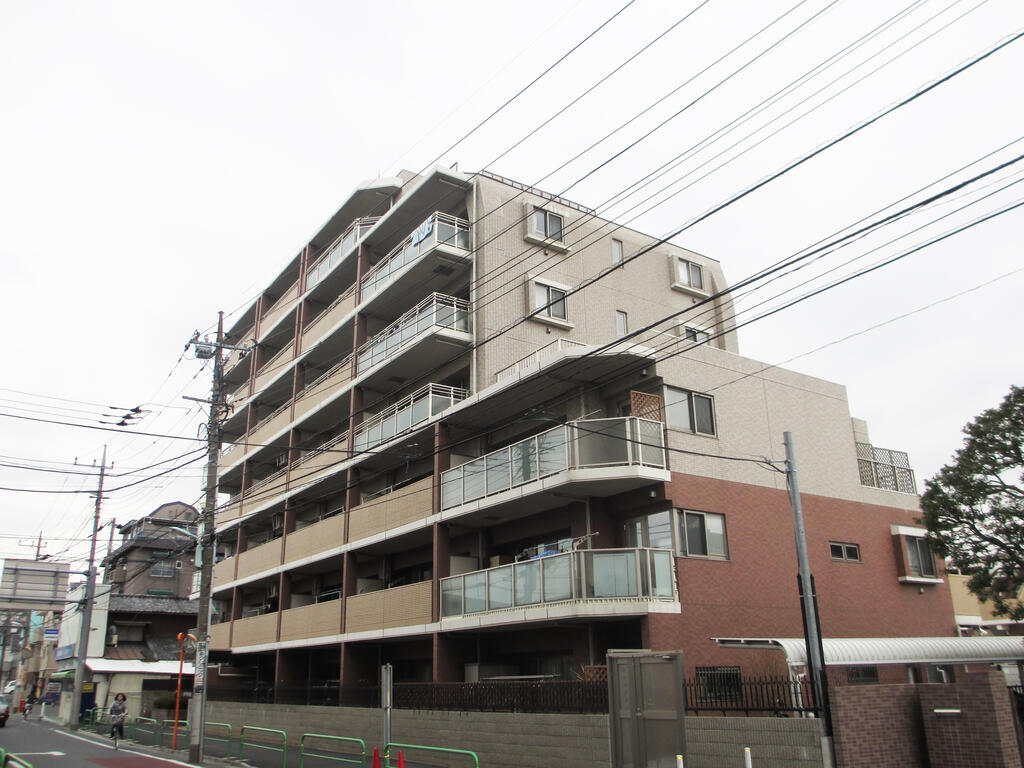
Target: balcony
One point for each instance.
(269, 425)
(410, 412)
(581, 577)
(593, 457)
(434, 319)
(259, 559)
(885, 468)
(255, 630)
(321, 461)
(309, 621)
(323, 389)
(220, 636)
(406, 505)
(336, 252)
(274, 367)
(535, 358)
(314, 539)
(388, 608)
(442, 235)
(229, 511)
(280, 308)
(322, 324)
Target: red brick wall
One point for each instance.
(982, 734)
(754, 592)
(877, 726)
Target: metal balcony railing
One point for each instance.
(578, 576)
(336, 251)
(437, 310)
(439, 228)
(576, 445)
(429, 400)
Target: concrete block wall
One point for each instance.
(521, 740)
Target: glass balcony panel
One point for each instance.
(661, 573)
(611, 574)
(420, 410)
(446, 232)
(387, 428)
(475, 591)
(474, 477)
(498, 478)
(404, 419)
(601, 443)
(524, 461)
(499, 588)
(551, 451)
(451, 597)
(652, 443)
(439, 402)
(451, 489)
(373, 434)
(557, 578)
(527, 577)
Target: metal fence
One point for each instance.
(710, 692)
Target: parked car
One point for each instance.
(11, 687)
(5, 710)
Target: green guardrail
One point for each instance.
(283, 749)
(351, 759)
(225, 740)
(13, 760)
(146, 725)
(395, 745)
(167, 730)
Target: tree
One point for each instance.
(974, 506)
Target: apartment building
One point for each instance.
(441, 455)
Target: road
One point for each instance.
(46, 746)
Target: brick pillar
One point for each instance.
(446, 660)
(348, 582)
(442, 566)
(241, 540)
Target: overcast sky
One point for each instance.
(162, 161)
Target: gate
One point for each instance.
(646, 707)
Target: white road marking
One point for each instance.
(23, 754)
(129, 751)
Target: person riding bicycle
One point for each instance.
(118, 713)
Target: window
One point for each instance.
(160, 592)
(690, 411)
(919, 558)
(865, 674)
(162, 570)
(719, 684)
(621, 323)
(550, 301)
(703, 535)
(695, 335)
(688, 275)
(547, 224)
(616, 251)
(841, 551)
(653, 530)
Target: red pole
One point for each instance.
(177, 698)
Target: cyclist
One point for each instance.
(28, 706)
(118, 713)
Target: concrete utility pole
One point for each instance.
(205, 545)
(90, 593)
(812, 632)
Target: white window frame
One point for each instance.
(162, 570)
(645, 533)
(684, 543)
(621, 323)
(908, 534)
(693, 333)
(618, 251)
(541, 236)
(541, 311)
(671, 397)
(683, 270)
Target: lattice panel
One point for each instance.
(646, 406)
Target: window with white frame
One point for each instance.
(689, 275)
(616, 251)
(621, 323)
(546, 224)
(702, 534)
(843, 551)
(691, 411)
(696, 335)
(162, 569)
(549, 301)
(653, 530)
(920, 561)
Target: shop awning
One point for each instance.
(852, 651)
(135, 666)
(64, 674)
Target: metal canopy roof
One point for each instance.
(891, 650)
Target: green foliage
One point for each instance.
(974, 507)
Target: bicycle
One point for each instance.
(27, 710)
(117, 727)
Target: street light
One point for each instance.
(182, 638)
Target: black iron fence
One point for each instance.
(766, 696)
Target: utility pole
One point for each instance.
(812, 631)
(90, 593)
(205, 546)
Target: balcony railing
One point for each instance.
(436, 311)
(576, 445)
(336, 251)
(885, 468)
(438, 229)
(587, 574)
(280, 307)
(545, 352)
(425, 402)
